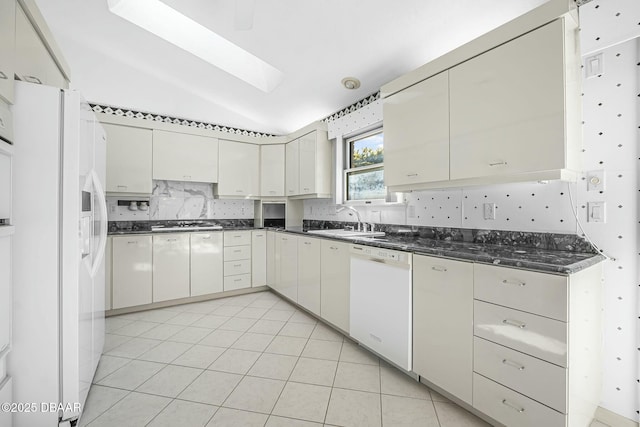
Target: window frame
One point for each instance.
(347, 167)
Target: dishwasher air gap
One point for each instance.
(381, 302)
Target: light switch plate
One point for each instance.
(594, 65)
(596, 212)
(595, 180)
(489, 211)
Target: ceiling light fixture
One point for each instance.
(351, 83)
(179, 30)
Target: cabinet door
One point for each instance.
(131, 271)
(129, 159)
(334, 283)
(287, 268)
(292, 168)
(184, 157)
(308, 164)
(272, 170)
(258, 258)
(238, 174)
(206, 263)
(416, 133)
(170, 267)
(271, 258)
(30, 52)
(309, 274)
(5, 291)
(507, 107)
(443, 323)
(7, 48)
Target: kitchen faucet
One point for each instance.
(340, 209)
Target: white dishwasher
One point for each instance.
(381, 302)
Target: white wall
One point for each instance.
(612, 119)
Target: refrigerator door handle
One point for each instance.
(102, 202)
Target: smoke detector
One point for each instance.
(351, 83)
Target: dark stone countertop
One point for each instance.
(542, 260)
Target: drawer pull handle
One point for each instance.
(514, 323)
(132, 243)
(512, 406)
(32, 79)
(513, 282)
(3, 76)
(307, 243)
(508, 362)
(122, 186)
(237, 280)
(206, 237)
(237, 265)
(333, 248)
(438, 268)
(412, 174)
(237, 251)
(501, 163)
(237, 236)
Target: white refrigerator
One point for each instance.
(60, 218)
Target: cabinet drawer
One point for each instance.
(537, 379)
(537, 293)
(233, 268)
(237, 282)
(237, 238)
(535, 335)
(511, 408)
(234, 253)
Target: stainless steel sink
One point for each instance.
(347, 234)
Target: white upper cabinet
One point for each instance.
(239, 169)
(184, 157)
(33, 62)
(416, 133)
(7, 48)
(508, 107)
(128, 159)
(309, 166)
(272, 170)
(293, 168)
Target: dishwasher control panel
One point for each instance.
(381, 254)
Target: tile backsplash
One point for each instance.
(182, 200)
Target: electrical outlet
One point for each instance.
(595, 180)
(489, 211)
(596, 212)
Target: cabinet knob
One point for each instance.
(513, 282)
(500, 163)
(32, 79)
(514, 323)
(512, 406)
(513, 364)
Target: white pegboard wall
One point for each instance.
(611, 123)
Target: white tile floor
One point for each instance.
(251, 360)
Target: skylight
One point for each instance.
(182, 31)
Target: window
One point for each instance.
(364, 169)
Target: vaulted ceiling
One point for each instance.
(314, 43)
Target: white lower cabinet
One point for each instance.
(206, 263)
(131, 271)
(335, 274)
(271, 258)
(531, 369)
(287, 265)
(309, 274)
(237, 260)
(171, 267)
(258, 258)
(443, 323)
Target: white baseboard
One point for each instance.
(612, 419)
